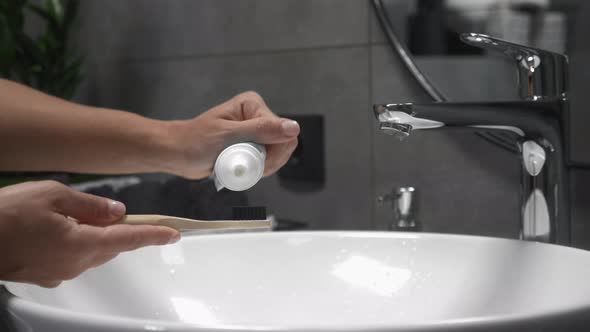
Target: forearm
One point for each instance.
(42, 133)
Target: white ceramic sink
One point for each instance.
(319, 281)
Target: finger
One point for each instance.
(267, 130)
(88, 209)
(277, 156)
(244, 106)
(100, 260)
(49, 283)
(252, 105)
(118, 238)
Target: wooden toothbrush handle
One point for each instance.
(191, 224)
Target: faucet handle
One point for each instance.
(541, 73)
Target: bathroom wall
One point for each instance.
(175, 59)
(580, 119)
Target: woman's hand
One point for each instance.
(50, 233)
(244, 118)
(39, 132)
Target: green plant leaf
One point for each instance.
(7, 48)
(45, 62)
(53, 8)
(30, 48)
(41, 12)
(36, 68)
(70, 78)
(53, 22)
(57, 9)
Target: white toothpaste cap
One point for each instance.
(239, 166)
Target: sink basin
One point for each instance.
(318, 281)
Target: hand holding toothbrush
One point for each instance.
(50, 232)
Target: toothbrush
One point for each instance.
(243, 218)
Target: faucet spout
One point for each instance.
(531, 119)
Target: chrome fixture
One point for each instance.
(536, 122)
(404, 205)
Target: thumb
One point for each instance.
(268, 129)
(89, 209)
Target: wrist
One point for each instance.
(187, 149)
(166, 151)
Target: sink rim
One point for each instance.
(48, 312)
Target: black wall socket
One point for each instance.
(305, 170)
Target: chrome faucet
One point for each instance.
(533, 127)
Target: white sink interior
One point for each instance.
(327, 280)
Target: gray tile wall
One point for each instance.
(175, 59)
(153, 29)
(579, 53)
(580, 203)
